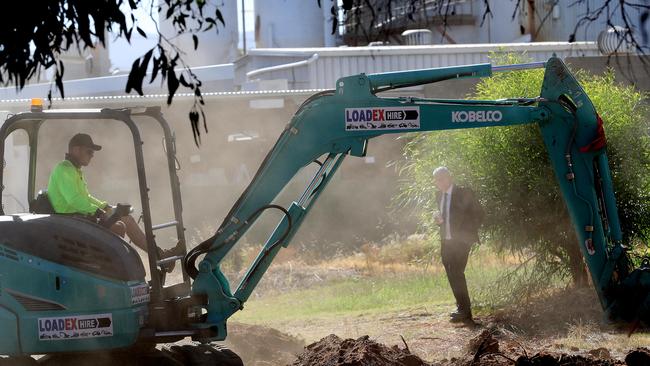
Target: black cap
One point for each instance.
(82, 139)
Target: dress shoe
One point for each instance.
(461, 317)
(460, 313)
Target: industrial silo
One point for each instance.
(292, 23)
(216, 46)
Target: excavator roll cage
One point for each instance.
(31, 123)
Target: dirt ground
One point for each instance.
(535, 333)
(262, 346)
(483, 349)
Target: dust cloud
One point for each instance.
(355, 207)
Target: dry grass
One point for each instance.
(562, 320)
(588, 335)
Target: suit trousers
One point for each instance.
(454, 258)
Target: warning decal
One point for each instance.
(382, 118)
(140, 294)
(75, 327)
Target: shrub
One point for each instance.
(509, 169)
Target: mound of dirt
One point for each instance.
(638, 357)
(481, 350)
(483, 343)
(334, 351)
(546, 359)
(484, 350)
(262, 346)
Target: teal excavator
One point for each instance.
(73, 291)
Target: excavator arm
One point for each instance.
(334, 124)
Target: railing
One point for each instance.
(290, 66)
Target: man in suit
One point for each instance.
(460, 217)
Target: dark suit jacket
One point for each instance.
(465, 214)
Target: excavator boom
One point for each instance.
(338, 123)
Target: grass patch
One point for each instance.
(583, 335)
(380, 292)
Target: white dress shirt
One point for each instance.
(444, 211)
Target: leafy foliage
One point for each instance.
(33, 36)
(510, 171)
(188, 16)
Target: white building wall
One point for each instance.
(216, 46)
(290, 23)
(498, 27)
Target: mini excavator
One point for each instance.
(74, 292)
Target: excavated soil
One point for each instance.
(334, 351)
(529, 335)
(638, 357)
(483, 350)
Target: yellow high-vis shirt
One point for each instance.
(68, 191)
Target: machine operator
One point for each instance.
(68, 193)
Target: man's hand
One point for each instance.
(105, 212)
(438, 219)
(100, 214)
(108, 210)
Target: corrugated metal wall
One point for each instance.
(333, 63)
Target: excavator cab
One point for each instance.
(86, 285)
(31, 123)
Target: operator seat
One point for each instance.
(41, 204)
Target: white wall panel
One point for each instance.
(333, 63)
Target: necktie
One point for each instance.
(445, 197)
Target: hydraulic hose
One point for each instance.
(189, 262)
(570, 106)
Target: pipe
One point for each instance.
(264, 70)
(514, 67)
